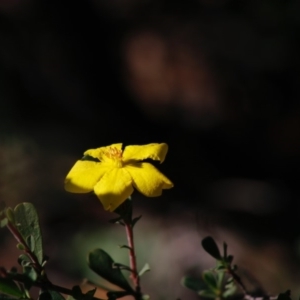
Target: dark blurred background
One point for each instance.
(218, 80)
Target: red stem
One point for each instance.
(132, 258)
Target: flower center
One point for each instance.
(115, 156)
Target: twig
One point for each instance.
(46, 285)
(132, 259)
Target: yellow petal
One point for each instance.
(147, 179)
(84, 175)
(98, 152)
(114, 188)
(153, 151)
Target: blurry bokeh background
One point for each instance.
(218, 80)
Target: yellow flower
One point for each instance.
(117, 172)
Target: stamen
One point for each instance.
(114, 153)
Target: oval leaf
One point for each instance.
(9, 287)
(210, 246)
(210, 279)
(28, 225)
(102, 264)
(193, 283)
(146, 268)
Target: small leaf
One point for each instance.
(210, 279)
(207, 294)
(9, 287)
(23, 258)
(21, 247)
(145, 297)
(284, 296)
(230, 289)
(31, 243)
(28, 224)
(14, 270)
(134, 221)
(229, 259)
(3, 222)
(10, 215)
(210, 246)
(220, 277)
(193, 283)
(30, 273)
(45, 260)
(101, 263)
(121, 267)
(146, 268)
(125, 246)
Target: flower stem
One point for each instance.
(132, 259)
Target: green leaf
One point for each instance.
(102, 264)
(5, 297)
(28, 225)
(207, 294)
(45, 260)
(210, 246)
(125, 246)
(121, 267)
(284, 296)
(9, 287)
(210, 279)
(10, 215)
(21, 247)
(3, 222)
(193, 283)
(24, 260)
(146, 268)
(31, 243)
(230, 290)
(145, 297)
(219, 278)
